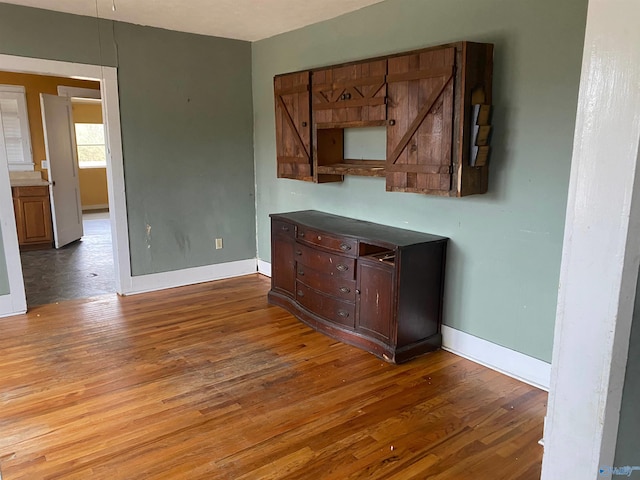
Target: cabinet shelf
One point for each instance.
(363, 168)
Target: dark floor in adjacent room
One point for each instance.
(82, 269)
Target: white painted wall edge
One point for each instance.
(190, 276)
(8, 307)
(264, 268)
(97, 206)
(502, 359)
(496, 357)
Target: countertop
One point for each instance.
(27, 179)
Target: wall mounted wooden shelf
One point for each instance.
(434, 103)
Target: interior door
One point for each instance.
(60, 144)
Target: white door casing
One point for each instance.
(14, 303)
(601, 252)
(60, 147)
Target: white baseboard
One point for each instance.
(189, 276)
(9, 306)
(515, 364)
(100, 206)
(264, 268)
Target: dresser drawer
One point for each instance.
(334, 310)
(336, 286)
(31, 191)
(325, 262)
(283, 229)
(348, 246)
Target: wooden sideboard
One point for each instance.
(372, 286)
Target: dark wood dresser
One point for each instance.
(376, 287)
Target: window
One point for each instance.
(91, 145)
(14, 128)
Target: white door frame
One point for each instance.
(115, 176)
(601, 252)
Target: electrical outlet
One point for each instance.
(44, 164)
(218, 243)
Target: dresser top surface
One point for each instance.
(357, 228)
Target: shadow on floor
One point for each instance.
(80, 270)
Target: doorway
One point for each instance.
(15, 301)
(81, 269)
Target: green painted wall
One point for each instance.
(186, 118)
(504, 257)
(187, 134)
(628, 444)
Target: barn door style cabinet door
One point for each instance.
(293, 125)
(435, 104)
(376, 287)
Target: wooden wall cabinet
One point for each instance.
(426, 99)
(33, 216)
(376, 287)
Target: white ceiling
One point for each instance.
(240, 19)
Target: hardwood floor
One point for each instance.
(209, 382)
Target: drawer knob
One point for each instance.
(343, 313)
(285, 228)
(319, 238)
(298, 252)
(392, 122)
(301, 234)
(300, 293)
(345, 289)
(344, 247)
(301, 273)
(342, 268)
(304, 124)
(357, 291)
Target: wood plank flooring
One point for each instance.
(210, 382)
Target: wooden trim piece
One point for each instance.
(418, 75)
(354, 124)
(356, 102)
(425, 191)
(321, 97)
(293, 160)
(348, 168)
(374, 91)
(418, 168)
(349, 83)
(291, 90)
